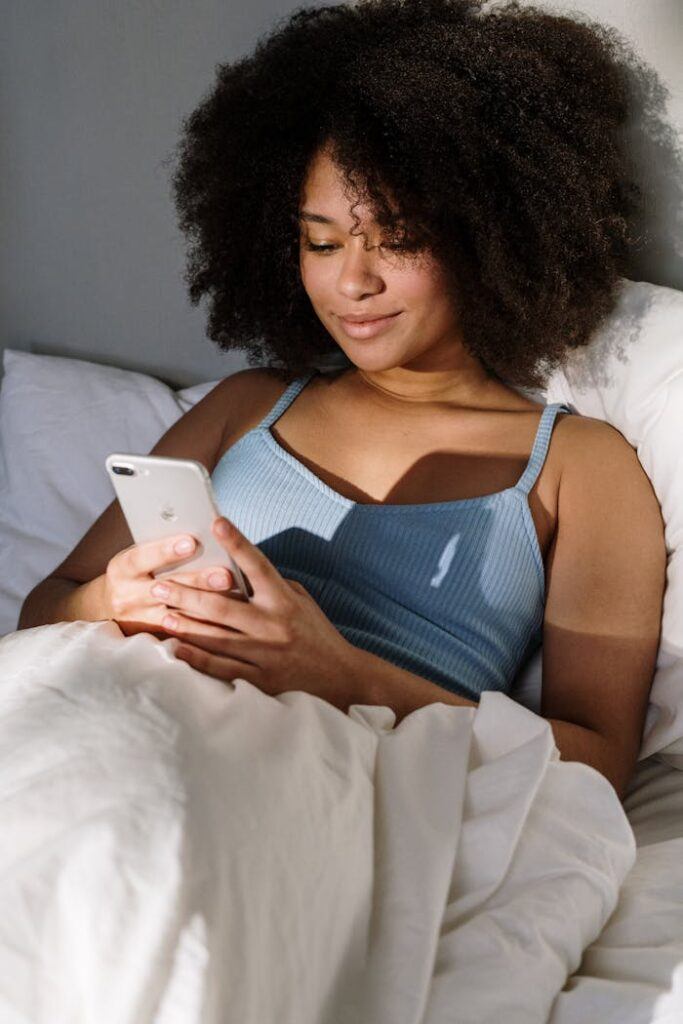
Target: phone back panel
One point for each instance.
(168, 496)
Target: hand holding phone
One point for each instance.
(163, 498)
(128, 584)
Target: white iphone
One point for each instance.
(161, 497)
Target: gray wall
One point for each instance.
(92, 95)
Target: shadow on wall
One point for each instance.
(657, 153)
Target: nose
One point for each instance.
(359, 274)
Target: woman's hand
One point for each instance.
(279, 640)
(128, 578)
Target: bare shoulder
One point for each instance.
(246, 385)
(245, 398)
(592, 452)
(610, 529)
(603, 485)
(224, 411)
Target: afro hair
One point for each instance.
(492, 136)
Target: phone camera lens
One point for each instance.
(123, 470)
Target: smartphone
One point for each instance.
(161, 497)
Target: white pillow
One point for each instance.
(59, 419)
(631, 376)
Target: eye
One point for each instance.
(327, 248)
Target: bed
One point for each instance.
(403, 899)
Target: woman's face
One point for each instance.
(347, 279)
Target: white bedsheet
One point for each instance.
(633, 972)
(177, 850)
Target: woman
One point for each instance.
(439, 195)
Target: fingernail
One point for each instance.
(183, 547)
(218, 580)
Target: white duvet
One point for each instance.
(177, 850)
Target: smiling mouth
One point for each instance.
(369, 319)
(368, 328)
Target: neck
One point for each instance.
(467, 389)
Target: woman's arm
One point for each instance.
(604, 591)
(61, 600)
(390, 686)
(606, 580)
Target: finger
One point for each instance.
(201, 580)
(223, 610)
(175, 621)
(207, 635)
(251, 560)
(141, 559)
(218, 666)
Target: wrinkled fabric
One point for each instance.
(176, 850)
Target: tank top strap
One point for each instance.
(285, 399)
(540, 448)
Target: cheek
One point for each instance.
(318, 280)
(310, 274)
(416, 288)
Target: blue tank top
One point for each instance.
(453, 591)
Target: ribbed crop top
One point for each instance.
(451, 590)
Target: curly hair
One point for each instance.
(491, 137)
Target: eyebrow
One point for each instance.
(316, 217)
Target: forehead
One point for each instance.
(324, 196)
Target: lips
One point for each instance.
(369, 328)
(363, 319)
